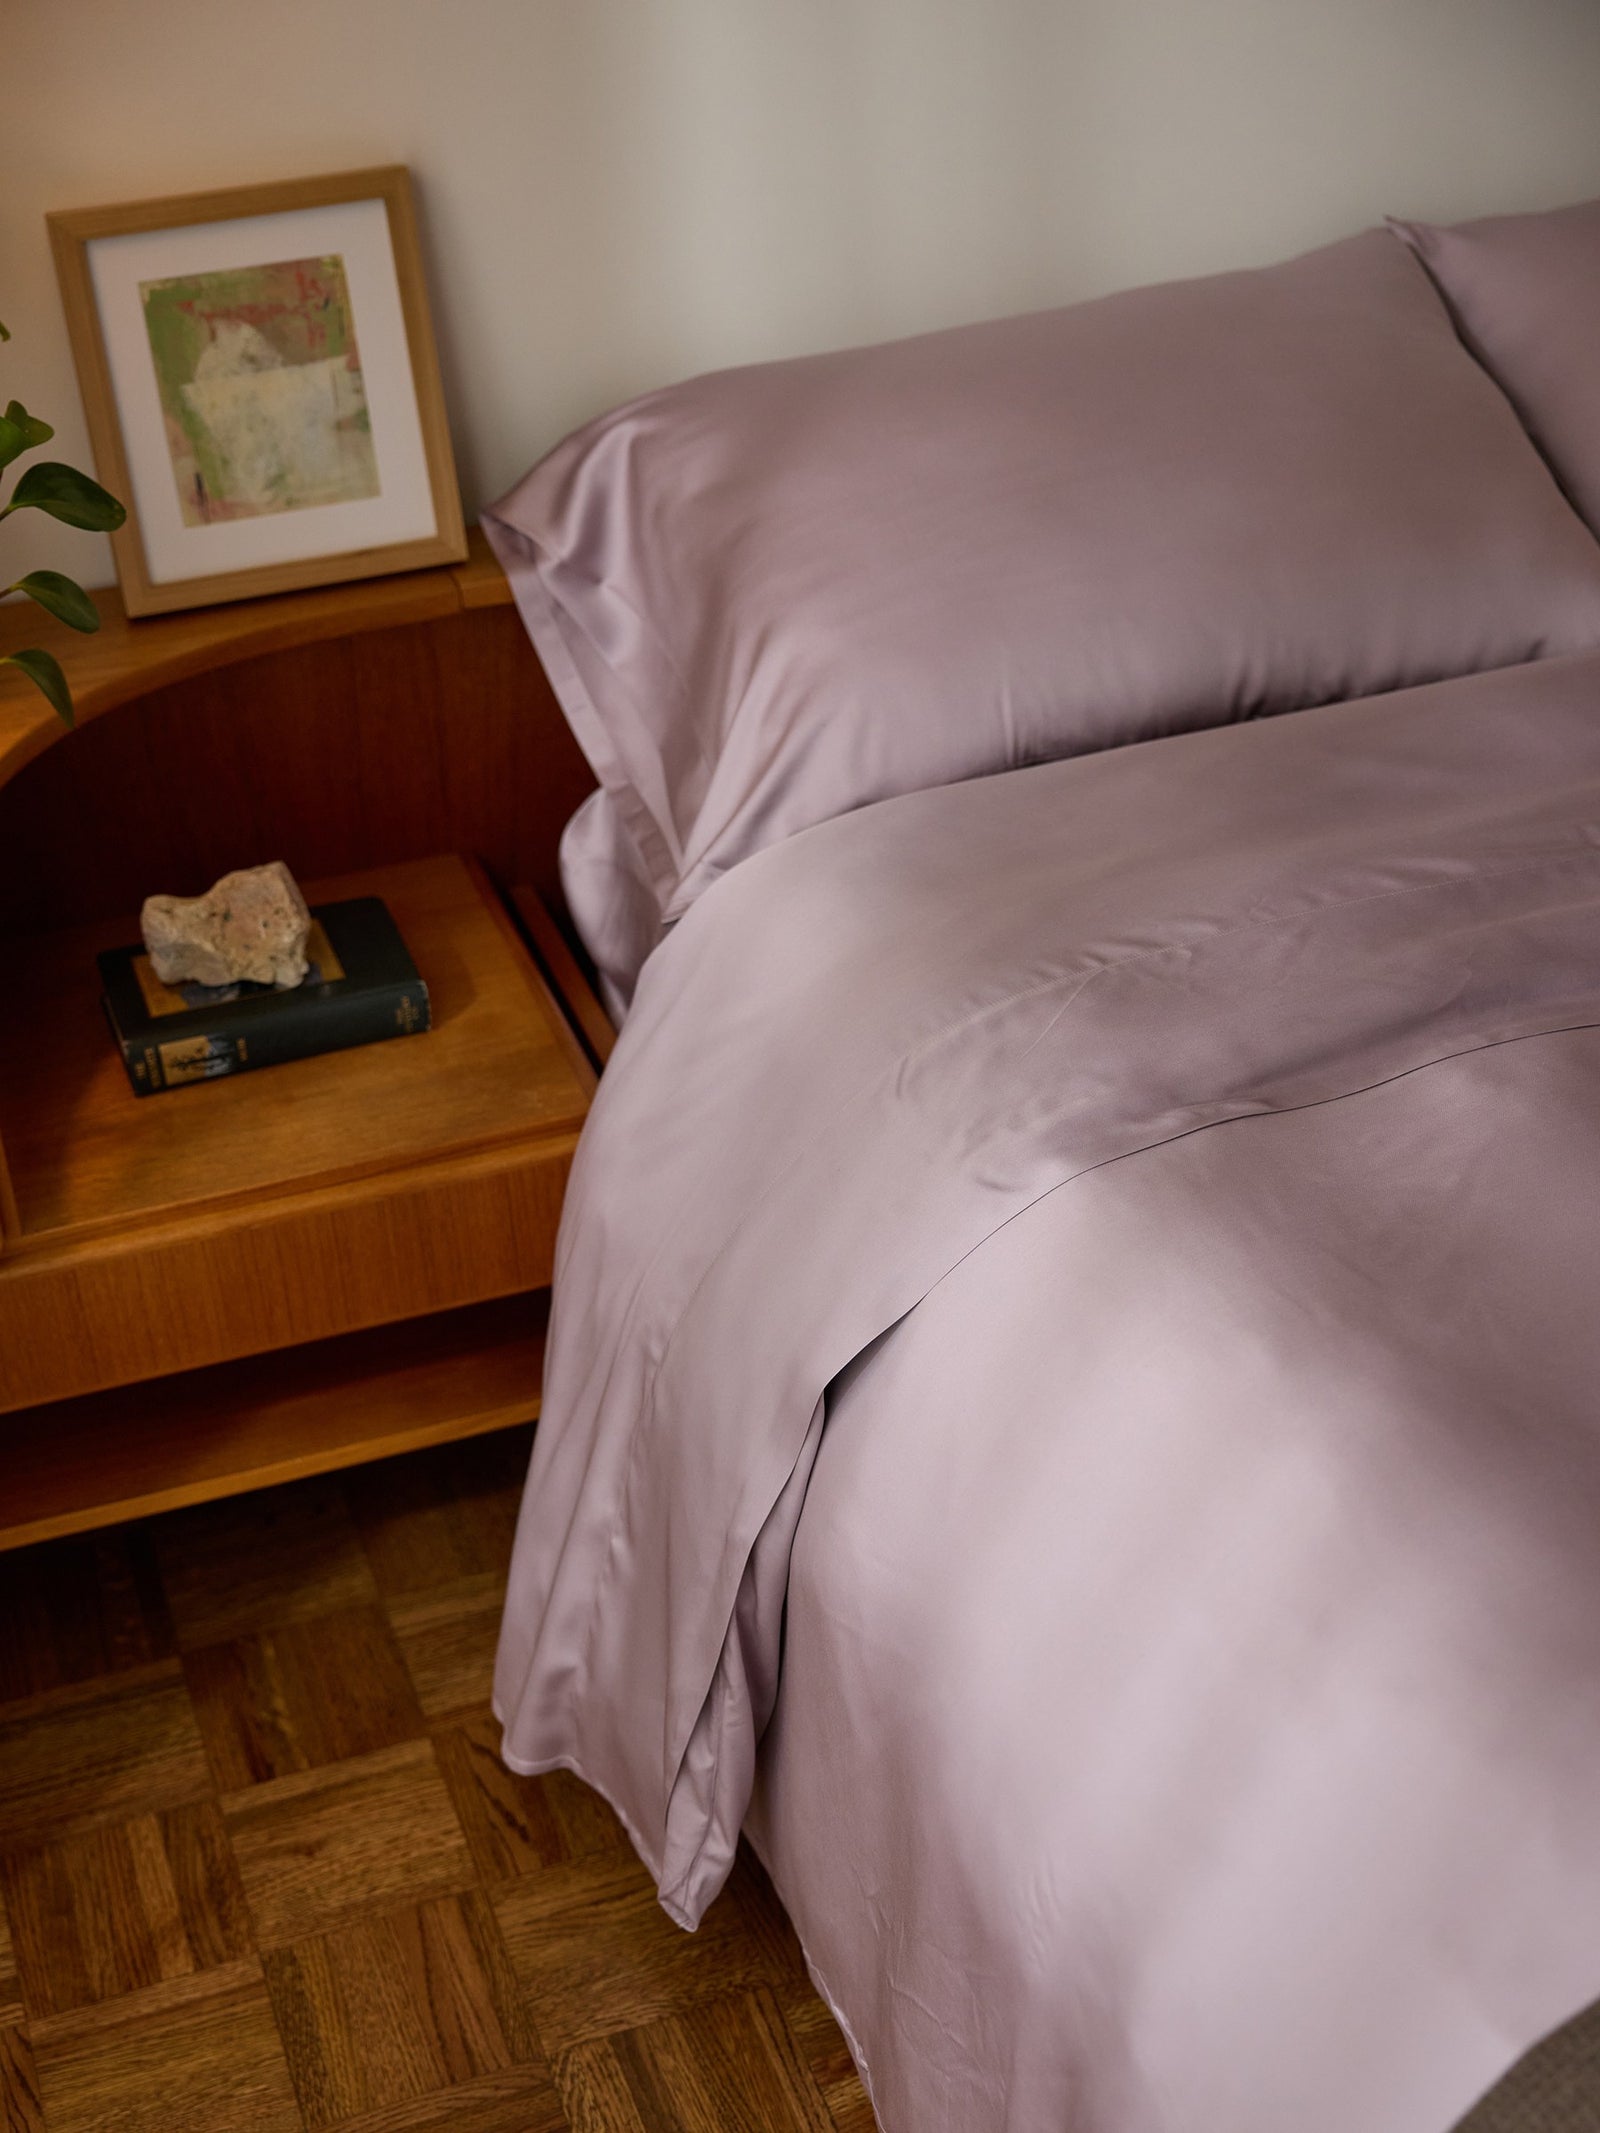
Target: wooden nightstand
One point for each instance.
(328, 1261)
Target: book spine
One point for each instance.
(238, 1046)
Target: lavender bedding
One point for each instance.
(1524, 291)
(770, 595)
(1073, 1385)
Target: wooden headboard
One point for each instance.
(336, 730)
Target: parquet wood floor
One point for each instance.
(262, 1870)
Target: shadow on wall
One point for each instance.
(737, 182)
(617, 193)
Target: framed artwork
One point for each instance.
(261, 386)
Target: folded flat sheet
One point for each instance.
(1182, 1164)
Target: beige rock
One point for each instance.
(251, 925)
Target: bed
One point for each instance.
(1071, 1413)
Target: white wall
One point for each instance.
(620, 192)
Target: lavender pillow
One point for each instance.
(1525, 292)
(774, 594)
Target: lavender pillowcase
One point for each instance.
(774, 594)
(1524, 291)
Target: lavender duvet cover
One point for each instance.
(1075, 1379)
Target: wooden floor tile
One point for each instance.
(201, 2055)
(123, 1906)
(396, 2007)
(121, 1746)
(279, 1555)
(520, 2099)
(598, 2094)
(817, 2036)
(317, 1850)
(301, 1696)
(725, 2066)
(517, 1825)
(73, 1610)
(20, 2109)
(596, 1953)
(10, 1984)
(377, 1927)
(439, 1520)
(449, 1644)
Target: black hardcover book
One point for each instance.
(362, 986)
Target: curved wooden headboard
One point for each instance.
(336, 729)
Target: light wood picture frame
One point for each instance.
(261, 385)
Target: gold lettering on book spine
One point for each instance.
(195, 1059)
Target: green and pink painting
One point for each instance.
(261, 389)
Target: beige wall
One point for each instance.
(621, 192)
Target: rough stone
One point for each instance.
(250, 926)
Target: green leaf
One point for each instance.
(60, 596)
(34, 430)
(67, 495)
(45, 673)
(5, 333)
(13, 442)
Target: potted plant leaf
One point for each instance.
(63, 493)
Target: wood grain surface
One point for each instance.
(263, 1871)
(301, 1268)
(268, 1210)
(335, 730)
(86, 1154)
(305, 1410)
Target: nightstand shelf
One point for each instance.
(291, 1204)
(293, 1270)
(181, 1440)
